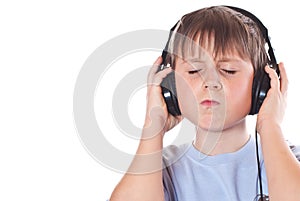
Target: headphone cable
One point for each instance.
(258, 165)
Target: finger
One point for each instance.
(154, 67)
(274, 81)
(157, 79)
(284, 82)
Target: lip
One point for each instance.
(209, 103)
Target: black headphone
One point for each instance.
(261, 80)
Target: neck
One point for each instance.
(218, 142)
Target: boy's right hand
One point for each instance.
(157, 116)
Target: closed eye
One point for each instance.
(231, 72)
(191, 72)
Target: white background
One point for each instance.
(43, 45)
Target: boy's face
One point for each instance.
(214, 93)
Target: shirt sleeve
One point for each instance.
(296, 151)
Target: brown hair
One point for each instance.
(231, 31)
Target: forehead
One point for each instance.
(206, 47)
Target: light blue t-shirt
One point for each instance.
(193, 176)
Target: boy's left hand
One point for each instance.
(273, 108)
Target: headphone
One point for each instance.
(261, 80)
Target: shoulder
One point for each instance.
(173, 153)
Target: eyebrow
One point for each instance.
(222, 60)
(225, 59)
(194, 60)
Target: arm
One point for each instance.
(143, 180)
(282, 167)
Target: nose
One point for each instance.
(212, 80)
(213, 85)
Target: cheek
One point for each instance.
(239, 95)
(186, 94)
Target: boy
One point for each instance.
(215, 54)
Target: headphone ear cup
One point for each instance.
(169, 93)
(260, 88)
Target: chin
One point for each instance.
(211, 128)
(209, 124)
